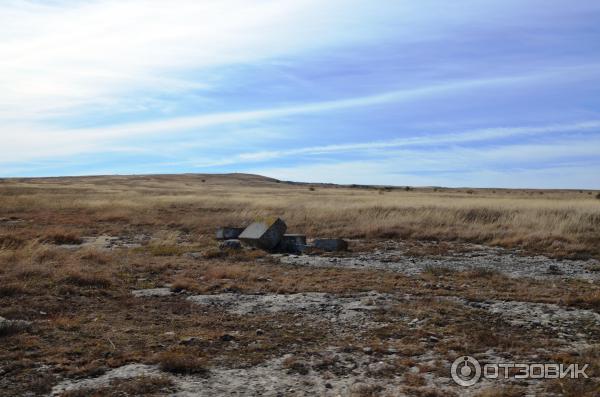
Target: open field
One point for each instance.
(123, 291)
(556, 223)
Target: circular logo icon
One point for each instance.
(466, 371)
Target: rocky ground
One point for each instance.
(385, 319)
(396, 256)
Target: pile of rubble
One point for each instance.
(270, 235)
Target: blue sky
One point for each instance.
(445, 93)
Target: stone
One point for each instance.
(380, 368)
(330, 244)
(9, 327)
(145, 293)
(190, 341)
(227, 337)
(264, 234)
(231, 244)
(292, 243)
(228, 232)
(554, 269)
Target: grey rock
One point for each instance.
(380, 367)
(193, 255)
(330, 244)
(264, 234)
(228, 232)
(231, 244)
(9, 327)
(190, 341)
(292, 243)
(142, 293)
(227, 337)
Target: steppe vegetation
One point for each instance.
(85, 320)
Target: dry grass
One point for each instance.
(558, 223)
(141, 385)
(184, 363)
(85, 319)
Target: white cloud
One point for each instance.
(479, 135)
(63, 59)
(58, 57)
(556, 164)
(32, 141)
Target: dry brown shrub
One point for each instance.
(87, 279)
(183, 363)
(60, 236)
(8, 242)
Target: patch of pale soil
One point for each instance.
(125, 372)
(110, 242)
(149, 292)
(395, 257)
(575, 329)
(12, 221)
(329, 373)
(574, 325)
(326, 306)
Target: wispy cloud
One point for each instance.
(511, 165)
(235, 85)
(479, 135)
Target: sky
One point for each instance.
(476, 93)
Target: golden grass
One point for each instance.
(558, 223)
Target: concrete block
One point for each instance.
(330, 244)
(231, 244)
(292, 243)
(265, 234)
(227, 233)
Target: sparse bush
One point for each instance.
(183, 284)
(183, 363)
(360, 389)
(32, 270)
(578, 387)
(10, 327)
(438, 270)
(61, 237)
(598, 196)
(483, 272)
(165, 250)
(233, 272)
(13, 289)
(87, 279)
(312, 189)
(587, 300)
(96, 257)
(296, 366)
(213, 253)
(11, 242)
(141, 385)
(414, 379)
